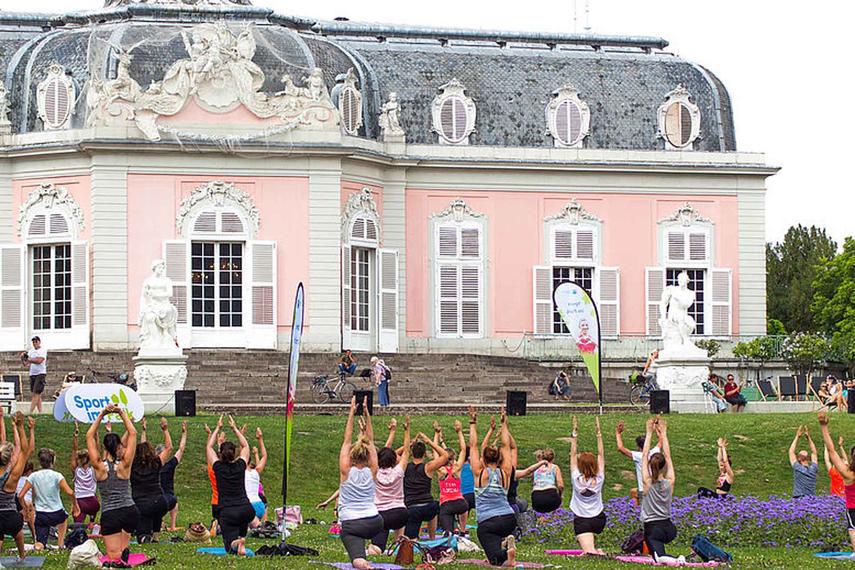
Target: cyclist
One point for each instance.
(647, 373)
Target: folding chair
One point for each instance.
(7, 395)
(767, 391)
(801, 387)
(787, 387)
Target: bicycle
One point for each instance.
(639, 394)
(325, 389)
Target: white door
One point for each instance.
(362, 299)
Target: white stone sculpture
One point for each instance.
(5, 124)
(158, 316)
(219, 75)
(390, 119)
(676, 323)
(110, 102)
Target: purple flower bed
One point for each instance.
(815, 522)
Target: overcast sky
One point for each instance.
(787, 66)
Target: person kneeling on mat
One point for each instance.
(548, 484)
(418, 480)
(389, 488)
(588, 474)
(46, 484)
(12, 466)
(452, 504)
(658, 476)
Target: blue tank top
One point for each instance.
(467, 480)
(544, 478)
(491, 500)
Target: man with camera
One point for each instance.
(36, 357)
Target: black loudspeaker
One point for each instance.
(515, 403)
(185, 403)
(660, 402)
(850, 401)
(360, 397)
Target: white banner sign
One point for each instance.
(85, 401)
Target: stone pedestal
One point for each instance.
(157, 378)
(683, 377)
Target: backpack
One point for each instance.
(634, 543)
(551, 389)
(388, 372)
(76, 536)
(707, 551)
(84, 556)
(404, 557)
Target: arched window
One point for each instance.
(224, 280)
(44, 285)
(458, 275)
(349, 102)
(55, 97)
(679, 120)
(453, 114)
(568, 118)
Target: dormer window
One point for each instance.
(568, 118)
(350, 104)
(679, 120)
(55, 98)
(453, 114)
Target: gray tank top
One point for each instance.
(7, 501)
(115, 492)
(656, 503)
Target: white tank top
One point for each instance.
(252, 480)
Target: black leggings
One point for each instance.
(705, 493)
(659, 533)
(545, 501)
(393, 519)
(354, 533)
(448, 512)
(234, 523)
(151, 511)
(417, 515)
(492, 532)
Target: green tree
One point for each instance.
(790, 271)
(804, 352)
(834, 302)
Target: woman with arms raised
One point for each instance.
(847, 472)
(12, 464)
(588, 474)
(658, 476)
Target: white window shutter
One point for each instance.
(609, 301)
(585, 245)
(470, 242)
(562, 244)
(206, 222)
(655, 284)
(345, 297)
(38, 226)
(176, 255)
(13, 314)
(388, 313)
(79, 295)
(543, 304)
(721, 302)
(470, 300)
(676, 245)
(58, 224)
(261, 332)
(447, 237)
(698, 246)
(448, 306)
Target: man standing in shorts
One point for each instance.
(36, 357)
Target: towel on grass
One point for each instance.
(220, 551)
(836, 555)
(28, 562)
(135, 559)
(648, 560)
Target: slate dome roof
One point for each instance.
(511, 76)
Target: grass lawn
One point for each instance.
(758, 445)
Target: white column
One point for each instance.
(109, 252)
(752, 261)
(323, 291)
(395, 237)
(7, 230)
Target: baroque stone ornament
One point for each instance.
(679, 120)
(5, 124)
(158, 316)
(676, 324)
(686, 215)
(390, 120)
(573, 213)
(48, 197)
(219, 75)
(358, 204)
(453, 114)
(349, 101)
(162, 378)
(55, 98)
(112, 101)
(457, 210)
(568, 117)
(216, 194)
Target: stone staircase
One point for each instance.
(255, 380)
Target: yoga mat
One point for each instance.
(480, 562)
(648, 560)
(136, 559)
(565, 552)
(219, 551)
(836, 555)
(28, 562)
(349, 566)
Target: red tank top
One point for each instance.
(849, 491)
(449, 488)
(837, 487)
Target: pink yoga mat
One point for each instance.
(136, 559)
(565, 552)
(482, 562)
(649, 561)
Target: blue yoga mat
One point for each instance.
(220, 551)
(836, 555)
(28, 562)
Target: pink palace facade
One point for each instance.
(429, 187)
